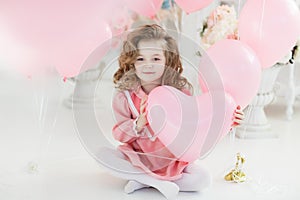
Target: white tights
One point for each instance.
(194, 177)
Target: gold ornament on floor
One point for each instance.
(237, 175)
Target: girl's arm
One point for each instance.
(124, 128)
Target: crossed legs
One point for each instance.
(194, 177)
(114, 162)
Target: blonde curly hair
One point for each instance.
(125, 77)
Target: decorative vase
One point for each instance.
(255, 124)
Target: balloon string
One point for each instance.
(42, 105)
(37, 113)
(39, 116)
(180, 22)
(41, 109)
(60, 100)
(174, 15)
(232, 136)
(158, 20)
(243, 129)
(246, 117)
(262, 19)
(171, 5)
(44, 110)
(38, 105)
(238, 15)
(239, 8)
(233, 131)
(178, 19)
(51, 134)
(215, 19)
(153, 7)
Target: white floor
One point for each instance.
(36, 127)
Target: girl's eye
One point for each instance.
(156, 59)
(139, 59)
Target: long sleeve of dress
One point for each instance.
(123, 129)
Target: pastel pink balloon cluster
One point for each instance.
(268, 30)
(270, 27)
(44, 34)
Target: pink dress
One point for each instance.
(141, 149)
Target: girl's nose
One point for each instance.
(148, 64)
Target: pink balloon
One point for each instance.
(20, 56)
(190, 6)
(57, 33)
(238, 67)
(72, 60)
(147, 8)
(186, 125)
(270, 27)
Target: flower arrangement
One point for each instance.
(223, 23)
(220, 24)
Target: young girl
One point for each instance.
(150, 58)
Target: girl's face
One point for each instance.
(150, 64)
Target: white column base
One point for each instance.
(263, 131)
(256, 124)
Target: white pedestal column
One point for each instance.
(291, 92)
(255, 124)
(84, 94)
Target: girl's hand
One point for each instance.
(142, 119)
(238, 117)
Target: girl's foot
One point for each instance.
(132, 186)
(167, 188)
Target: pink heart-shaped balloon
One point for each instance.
(189, 126)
